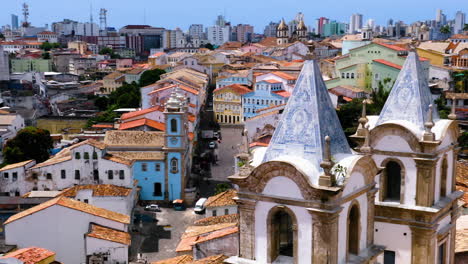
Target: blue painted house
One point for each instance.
(234, 79)
(267, 93)
(159, 159)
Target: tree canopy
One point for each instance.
(109, 51)
(209, 46)
(150, 77)
(48, 46)
(29, 143)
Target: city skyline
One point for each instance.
(121, 14)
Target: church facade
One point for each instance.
(309, 198)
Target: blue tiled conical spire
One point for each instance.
(410, 97)
(308, 118)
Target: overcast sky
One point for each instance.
(182, 13)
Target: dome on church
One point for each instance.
(424, 28)
(282, 25)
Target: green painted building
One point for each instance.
(334, 29)
(27, 65)
(364, 67)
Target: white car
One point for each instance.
(212, 145)
(200, 206)
(153, 207)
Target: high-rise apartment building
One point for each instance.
(196, 30)
(14, 22)
(459, 22)
(270, 29)
(355, 23)
(243, 32)
(218, 35)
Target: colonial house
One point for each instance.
(84, 163)
(159, 58)
(10, 124)
(370, 65)
(288, 80)
(161, 159)
(111, 197)
(237, 78)
(222, 204)
(267, 93)
(112, 81)
(307, 198)
(227, 103)
(47, 36)
(134, 75)
(90, 231)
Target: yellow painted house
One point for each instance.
(434, 57)
(227, 103)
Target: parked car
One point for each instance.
(153, 208)
(212, 145)
(178, 205)
(200, 206)
(216, 135)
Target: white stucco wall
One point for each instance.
(56, 228)
(119, 204)
(393, 237)
(343, 227)
(220, 210)
(118, 253)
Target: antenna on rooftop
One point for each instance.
(25, 15)
(103, 18)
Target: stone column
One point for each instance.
(425, 185)
(247, 228)
(370, 216)
(423, 245)
(455, 152)
(325, 235)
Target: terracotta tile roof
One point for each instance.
(459, 36)
(157, 54)
(191, 118)
(31, 255)
(281, 106)
(143, 122)
(118, 159)
(135, 71)
(193, 231)
(98, 190)
(390, 46)
(237, 88)
(390, 64)
(462, 180)
(258, 144)
(103, 126)
(276, 112)
(218, 259)
(114, 76)
(183, 87)
(268, 41)
(186, 243)
(283, 93)
(140, 112)
(16, 165)
(134, 138)
(191, 136)
(92, 142)
(220, 219)
(138, 155)
(271, 81)
(109, 234)
(222, 199)
(183, 259)
(75, 205)
(284, 75)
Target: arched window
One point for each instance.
(95, 155)
(392, 181)
(77, 155)
(86, 155)
(174, 165)
(353, 230)
(443, 178)
(173, 125)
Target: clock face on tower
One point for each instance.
(174, 140)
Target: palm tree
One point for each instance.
(445, 29)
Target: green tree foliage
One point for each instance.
(222, 187)
(465, 27)
(29, 143)
(109, 51)
(209, 46)
(46, 56)
(445, 29)
(126, 96)
(460, 79)
(463, 140)
(441, 103)
(150, 77)
(48, 46)
(2, 36)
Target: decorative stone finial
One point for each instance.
(327, 179)
(173, 104)
(428, 125)
(366, 148)
(453, 115)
